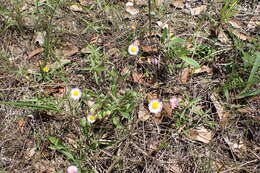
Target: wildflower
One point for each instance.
(155, 106)
(174, 102)
(72, 169)
(75, 93)
(133, 49)
(91, 118)
(45, 69)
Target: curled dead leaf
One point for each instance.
(167, 110)
(138, 78)
(241, 36)
(198, 10)
(222, 113)
(76, 8)
(143, 114)
(131, 9)
(185, 75)
(235, 23)
(222, 36)
(149, 49)
(35, 52)
(200, 134)
(202, 69)
(177, 3)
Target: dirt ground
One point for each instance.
(198, 51)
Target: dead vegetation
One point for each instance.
(203, 53)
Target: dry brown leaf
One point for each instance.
(56, 90)
(235, 23)
(254, 21)
(113, 52)
(76, 8)
(238, 145)
(222, 113)
(151, 96)
(200, 134)
(198, 10)
(131, 9)
(149, 49)
(35, 52)
(30, 152)
(241, 35)
(71, 51)
(143, 114)
(138, 78)
(21, 124)
(167, 110)
(222, 36)
(185, 75)
(202, 69)
(84, 2)
(177, 3)
(244, 110)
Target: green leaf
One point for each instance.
(96, 68)
(53, 140)
(68, 155)
(253, 78)
(190, 61)
(248, 93)
(30, 105)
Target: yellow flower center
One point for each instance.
(133, 49)
(45, 69)
(155, 105)
(76, 93)
(92, 117)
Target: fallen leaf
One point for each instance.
(35, 52)
(138, 78)
(56, 90)
(143, 114)
(76, 8)
(151, 96)
(185, 75)
(238, 145)
(131, 9)
(71, 51)
(167, 110)
(30, 152)
(113, 52)
(141, 2)
(86, 50)
(241, 35)
(177, 3)
(84, 2)
(21, 125)
(222, 113)
(254, 22)
(149, 49)
(198, 10)
(244, 110)
(222, 36)
(200, 134)
(235, 23)
(202, 69)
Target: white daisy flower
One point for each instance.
(75, 93)
(72, 169)
(155, 106)
(133, 49)
(91, 118)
